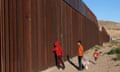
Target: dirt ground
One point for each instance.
(105, 62)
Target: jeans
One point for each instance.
(80, 62)
(60, 63)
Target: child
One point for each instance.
(96, 54)
(80, 54)
(85, 63)
(59, 53)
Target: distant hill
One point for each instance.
(113, 28)
(109, 24)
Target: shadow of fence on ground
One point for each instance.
(72, 63)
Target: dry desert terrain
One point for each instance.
(105, 62)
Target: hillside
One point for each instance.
(113, 28)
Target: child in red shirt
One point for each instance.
(96, 54)
(59, 53)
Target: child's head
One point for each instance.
(96, 50)
(79, 42)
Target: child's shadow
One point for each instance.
(92, 62)
(72, 63)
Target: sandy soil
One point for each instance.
(105, 63)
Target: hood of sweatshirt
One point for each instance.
(57, 44)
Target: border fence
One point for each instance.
(29, 28)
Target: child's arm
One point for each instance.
(54, 49)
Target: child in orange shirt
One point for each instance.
(80, 54)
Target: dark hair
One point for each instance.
(96, 49)
(79, 41)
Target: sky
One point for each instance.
(105, 9)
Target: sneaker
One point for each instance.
(63, 68)
(60, 69)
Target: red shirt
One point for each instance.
(96, 54)
(58, 49)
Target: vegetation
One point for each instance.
(116, 49)
(115, 42)
(117, 57)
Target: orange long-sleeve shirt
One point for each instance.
(80, 50)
